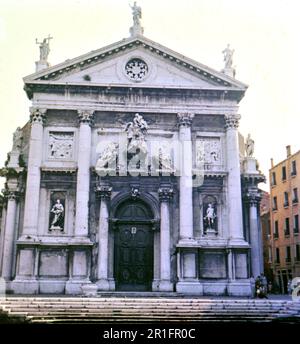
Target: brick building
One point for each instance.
(285, 211)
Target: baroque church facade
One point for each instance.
(130, 176)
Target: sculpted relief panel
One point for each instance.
(61, 145)
(208, 152)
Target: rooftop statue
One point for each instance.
(44, 48)
(249, 146)
(228, 53)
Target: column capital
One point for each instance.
(165, 194)
(86, 116)
(37, 115)
(185, 119)
(11, 195)
(103, 192)
(252, 198)
(232, 121)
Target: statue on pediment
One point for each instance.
(136, 14)
(249, 146)
(44, 48)
(228, 53)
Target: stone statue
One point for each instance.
(228, 53)
(136, 131)
(44, 48)
(136, 14)
(210, 216)
(17, 139)
(108, 156)
(249, 146)
(58, 211)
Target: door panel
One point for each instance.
(134, 257)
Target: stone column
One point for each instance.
(235, 220)
(104, 192)
(165, 195)
(9, 235)
(83, 173)
(254, 236)
(32, 196)
(186, 182)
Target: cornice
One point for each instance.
(93, 57)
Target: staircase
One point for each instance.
(145, 310)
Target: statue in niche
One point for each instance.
(17, 139)
(136, 132)
(249, 146)
(44, 48)
(209, 220)
(108, 157)
(58, 216)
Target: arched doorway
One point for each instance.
(133, 247)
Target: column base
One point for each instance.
(74, 287)
(239, 288)
(103, 284)
(89, 290)
(165, 285)
(189, 287)
(23, 286)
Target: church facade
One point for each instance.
(130, 176)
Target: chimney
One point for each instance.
(272, 162)
(288, 150)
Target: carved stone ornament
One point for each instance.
(86, 116)
(208, 151)
(165, 194)
(135, 193)
(108, 157)
(60, 145)
(185, 119)
(232, 121)
(136, 132)
(103, 192)
(12, 195)
(37, 115)
(136, 69)
(253, 198)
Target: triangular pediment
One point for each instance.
(135, 61)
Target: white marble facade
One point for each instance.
(78, 205)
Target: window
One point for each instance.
(275, 203)
(270, 255)
(287, 226)
(283, 173)
(277, 255)
(294, 168)
(297, 252)
(286, 199)
(295, 195)
(296, 223)
(273, 178)
(288, 254)
(269, 227)
(276, 232)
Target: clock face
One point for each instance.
(136, 69)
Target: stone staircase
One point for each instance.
(145, 310)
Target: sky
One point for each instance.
(264, 35)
